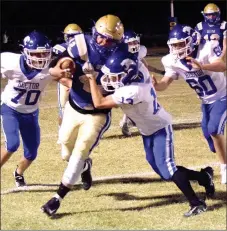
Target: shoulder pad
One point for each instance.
(199, 26)
(223, 25)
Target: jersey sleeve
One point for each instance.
(142, 52)
(59, 48)
(223, 27)
(126, 95)
(214, 51)
(7, 64)
(169, 71)
(77, 47)
(199, 27)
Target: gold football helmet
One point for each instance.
(110, 26)
(70, 30)
(211, 13)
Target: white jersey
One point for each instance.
(23, 90)
(139, 102)
(142, 52)
(210, 86)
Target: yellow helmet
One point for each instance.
(211, 9)
(110, 26)
(70, 30)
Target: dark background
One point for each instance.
(150, 18)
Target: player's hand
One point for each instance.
(153, 80)
(194, 63)
(88, 68)
(58, 73)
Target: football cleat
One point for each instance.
(195, 210)
(209, 186)
(86, 177)
(51, 207)
(125, 130)
(19, 179)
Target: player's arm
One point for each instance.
(143, 60)
(169, 76)
(223, 56)
(216, 65)
(66, 82)
(162, 84)
(100, 102)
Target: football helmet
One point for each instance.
(211, 13)
(109, 27)
(133, 41)
(37, 50)
(180, 41)
(119, 70)
(71, 30)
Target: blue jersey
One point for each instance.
(212, 32)
(97, 54)
(80, 95)
(60, 48)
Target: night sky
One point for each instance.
(145, 17)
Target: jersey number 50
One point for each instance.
(28, 101)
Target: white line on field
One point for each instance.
(96, 179)
(178, 122)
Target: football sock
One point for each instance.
(181, 180)
(195, 175)
(62, 190)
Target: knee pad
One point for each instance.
(65, 152)
(212, 130)
(13, 145)
(30, 156)
(65, 156)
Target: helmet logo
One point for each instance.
(187, 30)
(127, 63)
(27, 39)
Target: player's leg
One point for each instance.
(63, 95)
(124, 125)
(68, 131)
(163, 149)
(89, 135)
(204, 125)
(10, 129)
(30, 133)
(216, 128)
(90, 132)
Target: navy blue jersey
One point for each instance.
(80, 96)
(212, 32)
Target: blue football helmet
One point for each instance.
(211, 13)
(37, 50)
(181, 41)
(119, 70)
(133, 41)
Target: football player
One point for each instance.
(139, 52)
(203, 70)
(212, 29)
(63, 91)
(133, 91)
(83, 125)
(27, 76)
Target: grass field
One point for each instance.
(126, 193)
